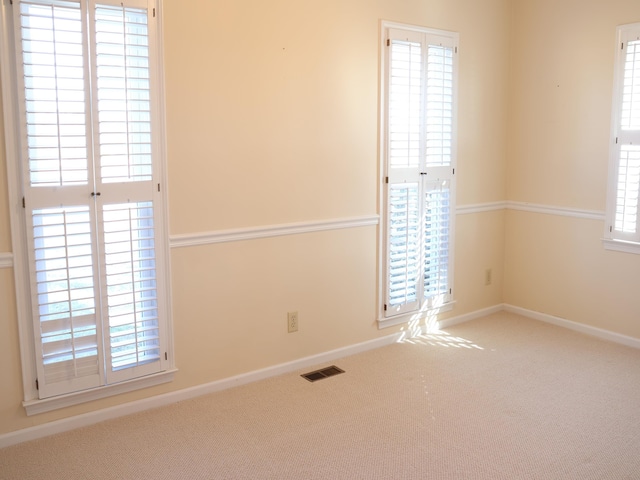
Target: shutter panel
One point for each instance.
(59, 214)
(122, 58)
(66, 299)
(439, 107)
(127, 219)
(405, 103)
(436, 242)
(405, 147)
(130, 266)
(404, 259)
(627, 199)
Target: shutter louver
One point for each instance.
(631, 90)
(626, 215)
(439, 108)
(405, 104)
(131, 285)
(122, 57)
(437, 214)
(404, 245)
(66, 298)
(53, 67)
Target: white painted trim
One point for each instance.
(621, 246)
(66, 424)
(480, 207)
(560, 211)
(575, 326)
(467, 317)
(6, 260)
(34, 407)
(252, 233)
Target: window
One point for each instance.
(623, 214)
(88, 122)
(418, 164)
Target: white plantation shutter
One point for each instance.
(419, 169)
(623, 213)
(91, 192)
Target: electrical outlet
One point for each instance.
(487, 276)
(292, 322)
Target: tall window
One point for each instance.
(623, 209)
(418, 105)
(88, 130)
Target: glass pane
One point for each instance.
(405, 104)
(131, 284)
(439, 108)
(626, 216)
(631, 88)
(53, 64)
(65, 292)
(437, 211)
(124, 108)
(404, 244)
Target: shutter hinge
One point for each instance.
(37, 385)
(616, 140)
(456, 50)
(386, 179)
(24, 203)
(450, 291)
(388, 42)
(154, 13)
(166, 357)
(454, 171)
(385, 307)
(610, 228)
(621, 45)
(158, 187)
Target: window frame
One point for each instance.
(19, 236)
(426, 309)
(612, 240)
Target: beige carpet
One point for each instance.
(502, 397)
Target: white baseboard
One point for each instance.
(450, 322)
(84, 420)
(91, 418)
(578, 327)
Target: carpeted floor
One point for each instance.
(501, 397)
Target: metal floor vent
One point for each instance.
(322, 373)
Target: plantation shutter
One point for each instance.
(127, 217)
(90, 192)
(419, 170)
(626, 219)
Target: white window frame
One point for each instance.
(614, 238)
(11, 108)
(430, 307)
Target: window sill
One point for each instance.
(414, 316)
(34, 407)
(621, 246)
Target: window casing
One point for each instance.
(622, 226)
(85, 129)
(418, 108)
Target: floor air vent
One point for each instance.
(322, 373)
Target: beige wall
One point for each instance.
(561, 81)
(272, 118)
